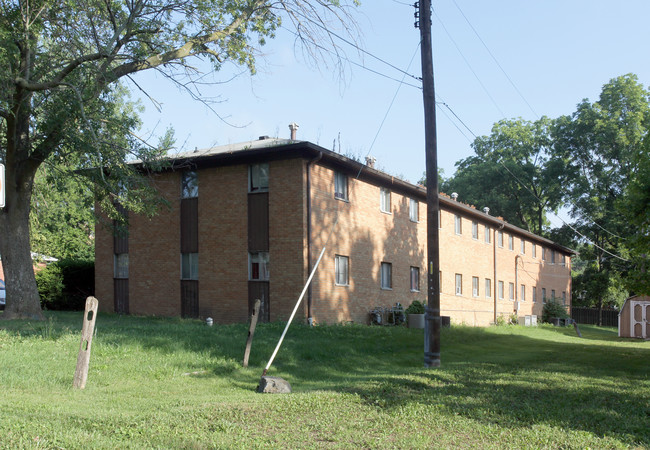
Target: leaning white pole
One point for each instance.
(302, 294)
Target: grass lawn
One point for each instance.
(171, 383)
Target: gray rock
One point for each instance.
(274, 385)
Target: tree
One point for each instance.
(514, 172)
(604, 146)
(60, 66)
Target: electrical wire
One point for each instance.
(495, 60)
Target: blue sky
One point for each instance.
(556, 52)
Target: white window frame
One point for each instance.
(458, 224)
(475, 290)
(386, 270)
(340, 186)
(534, 250)
(488, 288)
(263, 272)
(341, 270)
(522, 246)
(258, 177)
(500, 289)
(189, 266)
(121, 266)
(384, 201)
(511, 242)
(415, 279)
(459, 284)
(522, 292)
(500, 239)
(511, 291)
(488, 235)
(414, 210)
(474, 230)
(552, 256)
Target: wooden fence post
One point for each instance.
(83, 359)
(251, 331)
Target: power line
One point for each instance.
(495, 60)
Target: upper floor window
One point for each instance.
(543, 254)
(534, 250)
(342, 270)
(121, 265)
(522, 292)
(523, 247)
(474, 230)
(189, 266)
(258, 266)
(414, 213)
(458, 224)
(563, 260)
(459, 284)
(488, 237)
(511, 242)
(500, 290)
(384, 200)
(552, 256)
(488, 287)
(475, 286)
(258, 177)
(340, 186)
(386, 275)
(500, 238)
(189, 184)
(511, 291)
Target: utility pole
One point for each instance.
(432, 322)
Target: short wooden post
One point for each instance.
(83, 360)
(251, 331)
(575, 325)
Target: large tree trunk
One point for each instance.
(23, 301)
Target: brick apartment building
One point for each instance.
(249, 221)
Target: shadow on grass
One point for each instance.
(514, 379)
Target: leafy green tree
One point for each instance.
(604, 145)
(514, 172)
(60, 66)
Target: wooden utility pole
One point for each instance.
(432, 316)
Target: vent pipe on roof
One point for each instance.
(370, 162)
(263, 138)
(293, 126)
(454, 196)
(486, 210)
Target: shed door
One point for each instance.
(639, 319)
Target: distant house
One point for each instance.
(248, 221)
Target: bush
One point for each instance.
(64, 285)
(553, 309)
(416, 307)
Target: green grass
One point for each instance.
(171, 383)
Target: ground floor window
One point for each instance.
(386, 275)
(189, 266)
(342, 268)
(415, 279)
(258, 266)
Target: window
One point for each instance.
(543, 254)
(341, 269)
(522, 293)
(534, 294)
(459, 284)
(121, 265)
(474, 230)
(189, 184)
(553, 294)
(189, 266)
(475, 286)
(552, 256)
(384, 200)
(258, 266)
(415, 279)
(523, 247)
(414, 213)
(458, 224)
(534, 251)
(563, 260)
(543, 295)
(511, 291)
(440, 280)
(259, 177)
(563, 297)
(487, 235)
(488, 287)
(511, 243)
(386, 275)
(500, 239)
(500, 289)
(340, 186)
